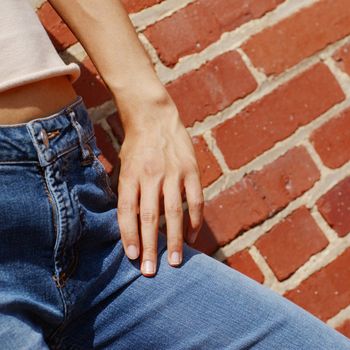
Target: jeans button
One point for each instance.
(44, 137)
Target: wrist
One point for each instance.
(144, 107)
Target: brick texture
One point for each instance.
(299, 36)
(327, 291)
(105, 144)
(208, 165)
(342, 57)
(244, 263)
(332, 140)
(260, 195)
(345, 328)
(298, 236)
(335, 207)
(192, 34)
(138, 5)
(90, 85)
(59, 33)
(211, 88)
(277, 115)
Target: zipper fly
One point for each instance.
(58, 280)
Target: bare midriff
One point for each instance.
(35, 100)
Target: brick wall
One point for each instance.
(263, 87)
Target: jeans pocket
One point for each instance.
(102, 175)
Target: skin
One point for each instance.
(35, 100)
(158, 162)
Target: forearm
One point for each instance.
(108, 36)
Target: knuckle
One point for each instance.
(196, 226)
(128, 235)
(173, 210)
(175, 243)
(148, 217)
(126, 207)
(149, 251)
(196, 204)
(151, 168)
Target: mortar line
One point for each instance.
(259, 76)
(211, 142)
(270, 85)
(314, 155)
(228, 40)
(314, 264)
(231, 40)
(269, 276)
(307, 199)
(342, 78)
(339, 319)
(106, 127)
(330, 234)
(230, 178)
(157, 12)
(267, 87)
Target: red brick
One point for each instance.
(298, 237)
(327, 291)
(342, 57)
(244, 263)
(212, 87)
(90, 85)
(259, 195)
(332, 140)
(286, 178)
(345, 328)
(206, 241)
(208, 165)
(109, 156)
(235, 210)
(299, 36)
(335, 207)
(59, 33)
(138, 5)
(278, 115)
(192, 34)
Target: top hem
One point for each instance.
(72, 70)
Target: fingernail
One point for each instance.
(175, 258)
(132, 251)
(148, 267)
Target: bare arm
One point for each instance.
(157, 156)
(108, 36)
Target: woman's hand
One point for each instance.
(158, 161)
(157, 156)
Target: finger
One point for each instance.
(128, 193)
(195, 201)
(149, 217)
(174, 220)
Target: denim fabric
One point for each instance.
(65, 282)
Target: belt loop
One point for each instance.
(86, 153)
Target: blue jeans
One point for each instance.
(65, 282)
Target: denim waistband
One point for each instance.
(46, 138)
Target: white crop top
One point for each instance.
(26, 51)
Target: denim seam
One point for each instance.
(5, 162)
(59, 155)
(37, 147)
(53, 205)
(100, 167)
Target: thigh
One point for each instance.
(20, 334)
(30, 303)
(203, 304)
